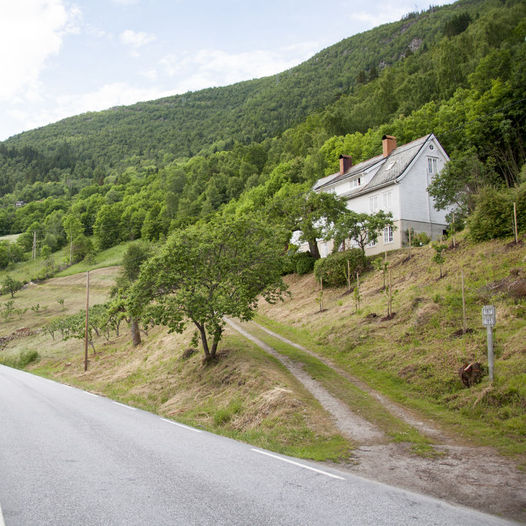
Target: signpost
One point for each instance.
(489, 319)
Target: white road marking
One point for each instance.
(126, 406)
(181, 425)
(298, 464)
(2, 523)
(91, 394)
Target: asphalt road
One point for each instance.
(68, 457)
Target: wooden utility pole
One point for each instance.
(515, 222)
(321, 295)
(453, 231)
(389, 297)
(70, 244)
(410, 241)
(34, 252)
(348, 275)
(357, 291)
(464, 321)
(87, 321)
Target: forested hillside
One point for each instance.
(146, 170)
(181, 126)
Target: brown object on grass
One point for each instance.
(471, 373)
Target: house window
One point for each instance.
(372, 243)
(432, 165)
(388, 201)
(388, 234)
(373, 204)
(355, 183)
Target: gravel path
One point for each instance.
(350, 424)
(425, 427)
(477, 477)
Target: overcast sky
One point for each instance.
(60, 58)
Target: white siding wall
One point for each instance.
(386, 199)
(415, 202)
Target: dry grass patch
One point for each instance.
(245, 394)
(415, 356)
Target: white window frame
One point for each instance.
(355, 183)
(374, 205)
(432, 165)
(388, 235)
(388, 201)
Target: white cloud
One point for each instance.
(31, 31)
(210, 67)
(135, 39)
(125, 2)
(150, 74)
(108, 96)
(363, 16)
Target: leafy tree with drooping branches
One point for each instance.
(359, 227)
(309, 212)
(209, 271)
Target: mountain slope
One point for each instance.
(248, 111)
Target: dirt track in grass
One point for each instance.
(477, 477)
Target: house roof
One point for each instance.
(391, 168)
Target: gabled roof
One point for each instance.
(391, 168)
(351, 172)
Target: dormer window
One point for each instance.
(355, 183)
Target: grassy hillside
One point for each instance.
(247, 395)
(415, 356)
(412, 357)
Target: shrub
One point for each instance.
(520, 199)
(11, 286)
(21, 360)
(303, 262)
(26, 357)
(289, 265)
(492, 216)
(82, 246)
(420, 239)
(333, 268)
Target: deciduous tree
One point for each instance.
(359, 227)
(209, 271)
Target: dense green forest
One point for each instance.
(145, 170)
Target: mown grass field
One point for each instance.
(415, 356)
(246, 395)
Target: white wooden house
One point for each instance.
(395, 182)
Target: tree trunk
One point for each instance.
(313, 247)
(136, 333)
(217, 339)
(204, 341)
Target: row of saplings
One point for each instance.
(344, 268)
(107, 319)
(203, 274)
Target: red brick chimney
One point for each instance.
(389, 144)
(345, 163)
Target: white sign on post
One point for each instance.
(489, 318)
(489, 315)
